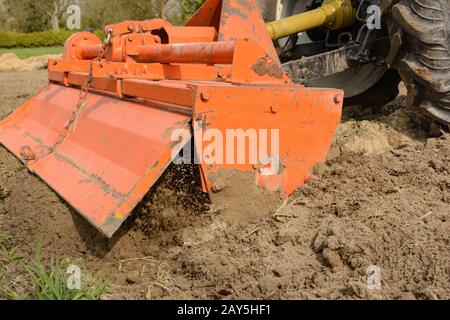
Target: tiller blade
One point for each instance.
(154, 86)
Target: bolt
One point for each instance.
(221, 73)
(337, 99)
(131, 27)
(205, 95)
(274, 108)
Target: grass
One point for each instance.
(32, 279)
(8, 250)
(50, 283)
(12, 172)
(17, 167)
(24, 53)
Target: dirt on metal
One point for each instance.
(382, 199)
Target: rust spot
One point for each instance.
(90, 177)
(265, 66)
(27, 154)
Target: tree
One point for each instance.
(24, 16)
(39, 15)
(36, 15)
(189, 7)
(52, 9)
(3, 22)
(2, 15)
(97, 13)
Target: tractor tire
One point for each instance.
(380, 94)
(423, 58)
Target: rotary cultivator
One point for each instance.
(102, 133)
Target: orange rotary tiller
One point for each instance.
(102, 147)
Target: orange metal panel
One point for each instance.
(147, 71)
(252, 65)
(68, 65)
(241, 19)
(82, 45)
(305, 117)
(207, 15)
(114, 154)
(130, 26)
(176, 93)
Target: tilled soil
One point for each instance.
(382, 199)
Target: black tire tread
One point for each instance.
(424, 60)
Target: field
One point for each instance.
(25, 53)
(382, 199)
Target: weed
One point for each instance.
(32, 279)
(8, 251)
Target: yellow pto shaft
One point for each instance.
(333, 14)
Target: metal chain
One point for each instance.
(27, 153)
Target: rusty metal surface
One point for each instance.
(220, 52)
(319, 66)
(116, 152)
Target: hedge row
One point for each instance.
(10, 39)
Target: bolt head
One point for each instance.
(205, 95)
(221, 74)
(337, 99)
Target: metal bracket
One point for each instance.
(365, 40)
(319, 66)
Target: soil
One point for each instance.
(382, 199)
(249, 200)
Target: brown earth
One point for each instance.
(382, 199)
